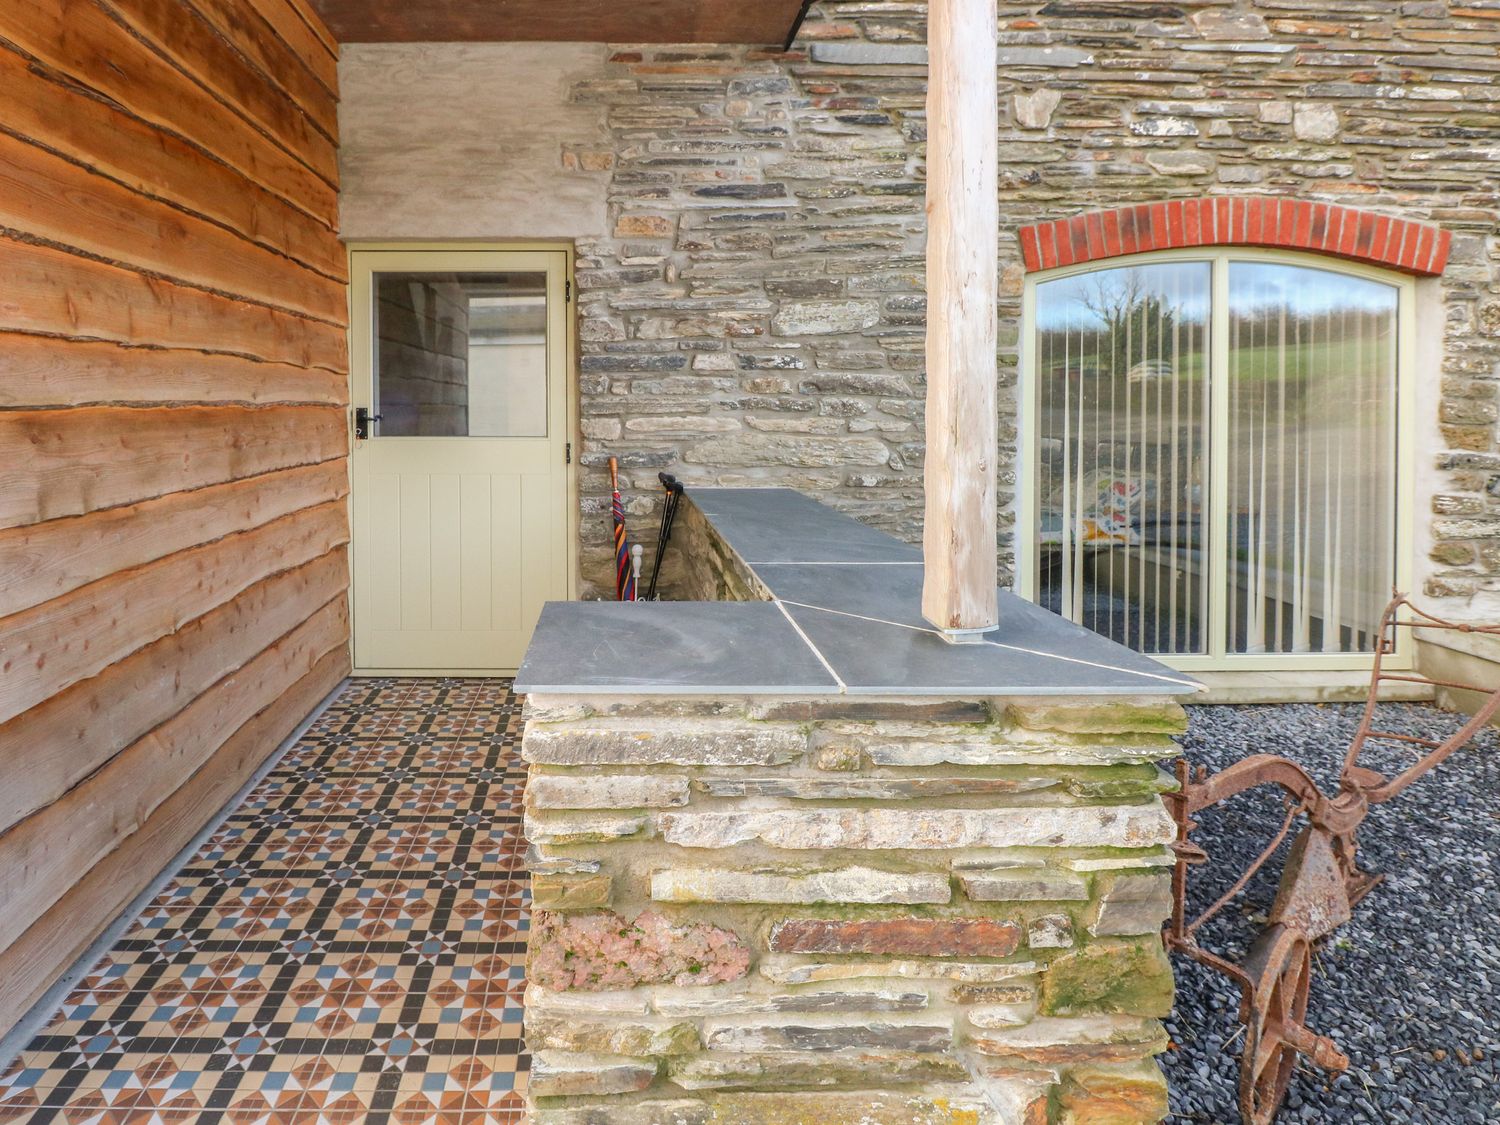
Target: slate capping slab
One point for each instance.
(844, 619)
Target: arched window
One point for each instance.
(1216, 442)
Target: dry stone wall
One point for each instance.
(765, 910)
(756, 314)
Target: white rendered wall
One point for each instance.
(468, 140)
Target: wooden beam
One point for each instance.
(763, 23)
(963, 219)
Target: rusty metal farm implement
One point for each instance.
(1321, 882)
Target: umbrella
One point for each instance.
(625, 572)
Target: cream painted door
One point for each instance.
(458, 480)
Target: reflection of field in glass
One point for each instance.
(1125, 371)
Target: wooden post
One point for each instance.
(963, 218)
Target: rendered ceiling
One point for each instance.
(762, 22)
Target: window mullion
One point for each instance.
(1216, 518)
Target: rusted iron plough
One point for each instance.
(1321, 882)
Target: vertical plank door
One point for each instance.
(459, 488)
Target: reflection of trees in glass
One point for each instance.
(1124, 326)
(1136, 324)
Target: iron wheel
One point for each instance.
(1280, 964)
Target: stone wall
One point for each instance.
(766, 910)
(750, 223)
(756, 315)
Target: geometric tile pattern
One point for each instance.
(348, 947)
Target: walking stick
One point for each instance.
(664, 535)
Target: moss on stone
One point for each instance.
(867, 1108)
(1127, 977)
(1164, 717)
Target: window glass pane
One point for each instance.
(461, 354)
(1312, 458)
(1122, 375)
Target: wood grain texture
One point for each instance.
(55, 645)
(59, 937)
(39, 562)
(97, 457)
(306, 34)
(764, 22)
(41, 856)
(179, 32)
(44, 371)
(42, 105)
(959, 546)
(173, 426)
(53, 199)
(80, 39)
(55, 745)
(57, 293)
(252, 34)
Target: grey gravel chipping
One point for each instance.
(1408, 989)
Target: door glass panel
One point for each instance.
(460, 354)
(1312, 458)
(1122, 373)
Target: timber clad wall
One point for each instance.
(172, 429)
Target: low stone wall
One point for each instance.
(762, 909)
(698, 566)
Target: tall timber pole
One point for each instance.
(963, 217)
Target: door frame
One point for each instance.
(571, 435)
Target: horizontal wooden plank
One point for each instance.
(145, 159)
(192, 43)
(55, 745)
(36, 959)
(55, 200)
(248, 30)
(315, 23)
(45, 854)
(314, 45)
(47, 371)
(39, 562)
(67, 640)
(58, 293)
(97, 457)
(79, 39)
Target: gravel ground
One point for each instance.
(1408, 989)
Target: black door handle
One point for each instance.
(362, 420)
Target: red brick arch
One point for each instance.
(1290, 224)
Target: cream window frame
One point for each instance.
(1028, 499)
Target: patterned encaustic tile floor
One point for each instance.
(349, 946)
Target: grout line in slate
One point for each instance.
(843, 687)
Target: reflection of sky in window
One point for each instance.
(1071, 302)
(1305, 290)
